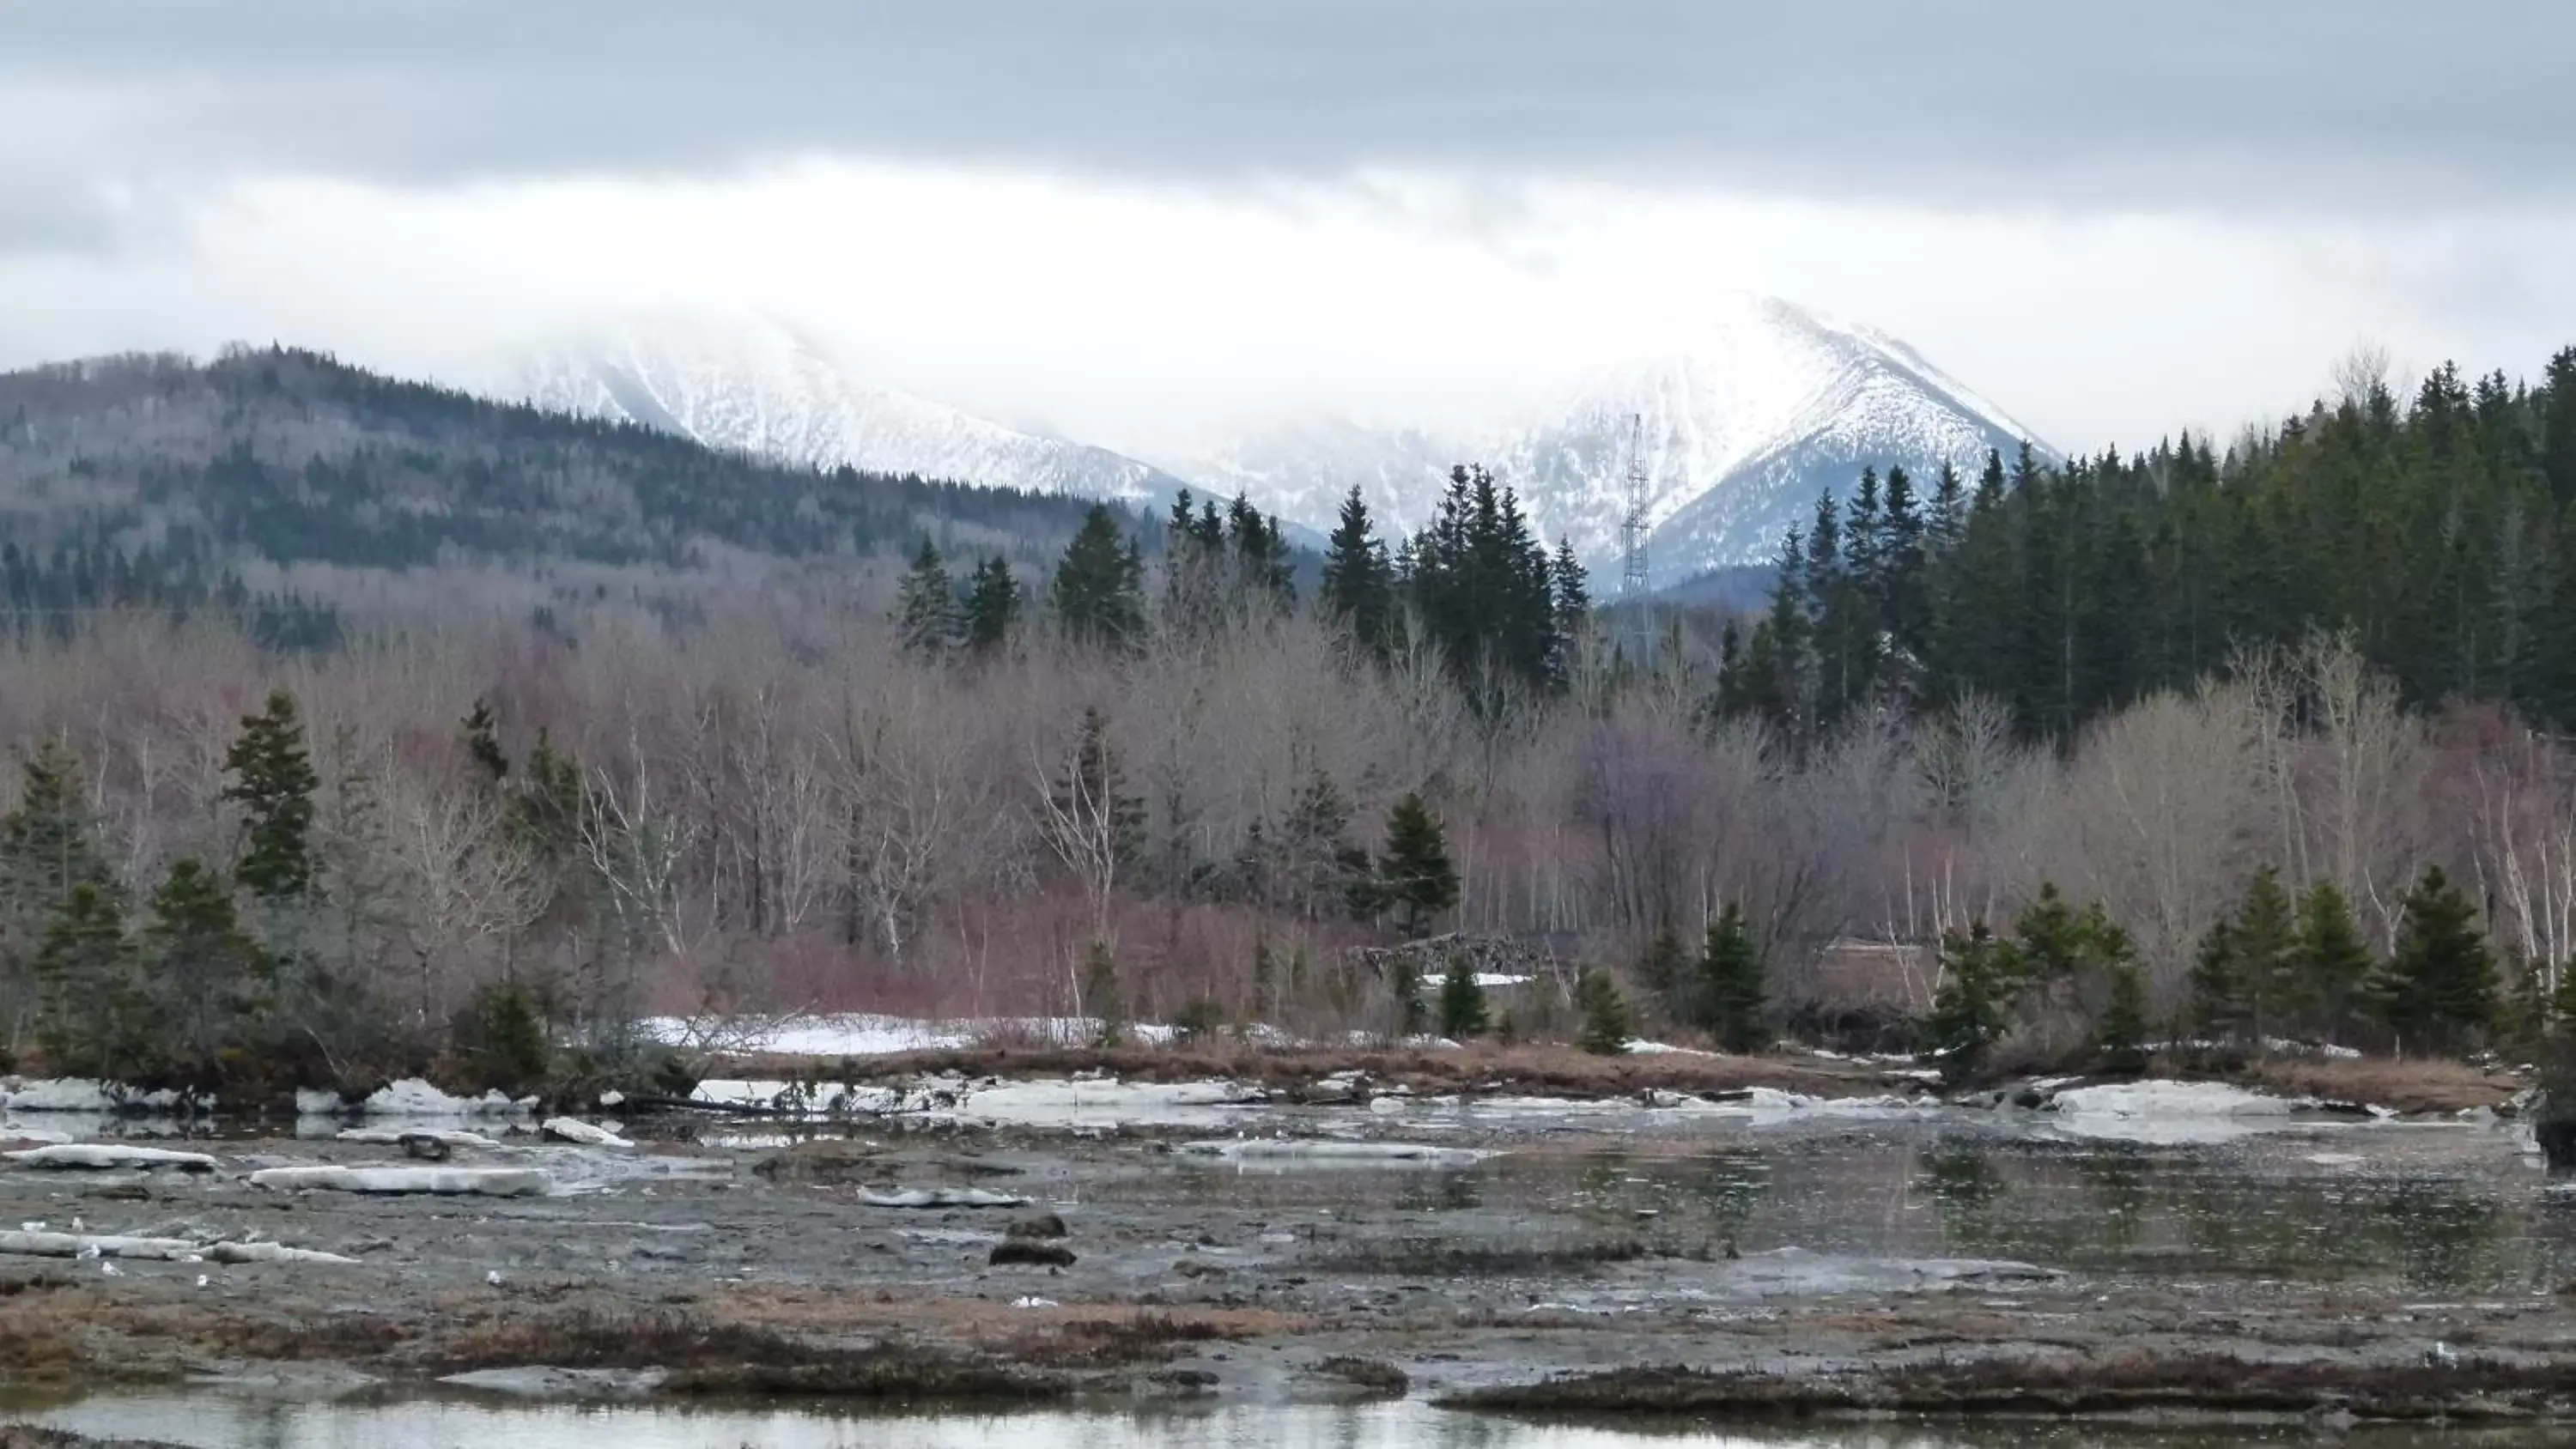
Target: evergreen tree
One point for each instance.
(2265, 949)
(992, 606)
(48, 848)
(1462, 1002)
(1606, 1026)
(1092, 791)
(926, 611)
(206, 972)
(1731, 977)
(1102, 1000)
(1404, 983)
(1359, 581)
(2120, 1038)
(273, 781)
(1099, 589)
(1665, 974)
(2218, 1009)
(1572, 621)
(1318, 867)
(1414, 876)
(2439, 986)
(483, 742)
(2557, 405)
(95, 1020)
(1969, 1009)
(1484, 591)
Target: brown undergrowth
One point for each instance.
(1548, 1069)
(2466, 1388)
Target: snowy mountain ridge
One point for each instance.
(761, 389)
(1769, 406)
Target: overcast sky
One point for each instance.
(1124, 219)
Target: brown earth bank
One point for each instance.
(720, 1265)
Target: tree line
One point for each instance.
(1162, 776)
(2438, 531)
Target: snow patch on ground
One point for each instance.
(860, 1035)
(1082, 1103)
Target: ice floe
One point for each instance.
(942, 1197)
(2170, 1113)
(412, 1097)
(1326, 1150)
(580, 1133)
(109, 1156)
(482, 1181)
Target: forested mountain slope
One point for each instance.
(2438, 529)
(291, 459)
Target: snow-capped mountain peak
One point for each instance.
(760, 387)
(1768, 406)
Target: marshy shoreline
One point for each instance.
(1504, 1231)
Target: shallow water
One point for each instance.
(216, 1421)
(2448, 1210)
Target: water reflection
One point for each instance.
(210, 1421)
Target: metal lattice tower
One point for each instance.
(1632, 544)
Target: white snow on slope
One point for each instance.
(755, 386)
(1770, 404)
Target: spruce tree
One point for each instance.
(926, 609)
(95, 1019)
(1099, 590)
(48, 848)
(2265, 947)
(2439, 986)
(1102, 1000)
(273, 781)
(1572, 620)
(2120, 1038)
(483, 742)
(992, 606)
(1665, 974)
(206, 972)
(1092, 791)
(1414, 876)
(1606, 1026)
(1462, 1002)
(1318, 866)
(1404, 983)
(1731, 977)
(1969, 1009)
(2218, 1009)
(1359, 583)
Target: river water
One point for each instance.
(214, 1421)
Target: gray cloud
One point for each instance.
(2358, 105)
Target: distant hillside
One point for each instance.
(321, 471)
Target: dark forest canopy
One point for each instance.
(293, 457)
(2440, 530)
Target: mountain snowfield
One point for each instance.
(1769, 406)
(759, 388)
